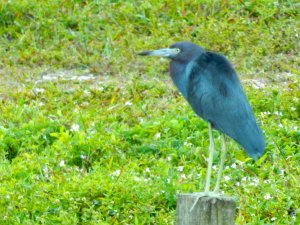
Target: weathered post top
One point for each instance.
(206, 211)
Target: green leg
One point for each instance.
(210, 158)
(223, 156)
(208, 173)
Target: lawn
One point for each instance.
(91, 133)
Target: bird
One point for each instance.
(210, 84)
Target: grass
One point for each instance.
(92, 134)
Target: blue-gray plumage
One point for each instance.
(209, 83)
(216, 95)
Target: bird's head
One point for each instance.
(181, 51)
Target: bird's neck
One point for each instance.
(179, 77)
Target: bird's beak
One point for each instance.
(164, 52)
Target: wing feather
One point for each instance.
(216, 95)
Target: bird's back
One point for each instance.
(216, 95)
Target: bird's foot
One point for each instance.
(207, 194)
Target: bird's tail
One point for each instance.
(252, 140)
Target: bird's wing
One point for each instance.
(216, 95)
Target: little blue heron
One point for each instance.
(210, 84)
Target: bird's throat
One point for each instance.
(179, 77)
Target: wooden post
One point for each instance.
(207, 211)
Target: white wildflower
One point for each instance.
(267, 196)
(157, 136)
(62, 163)
(136, 179)
(266, 113)
(226, 178)
(277, 113)
(75, 127)
(245, 178)
(187, 144)
(233, 166)
(39, 90)
(83, 156)
(255, 182)
(128, 103)
(45, 169)
(183, 176)
(180, 168)
(147, 170)
(86, 92)
(100, 88)
(117, 173)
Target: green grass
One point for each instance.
(118, 147)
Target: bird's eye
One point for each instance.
(177, 50)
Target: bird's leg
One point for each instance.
(208, 172)
(223, 156)
(210, 158)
